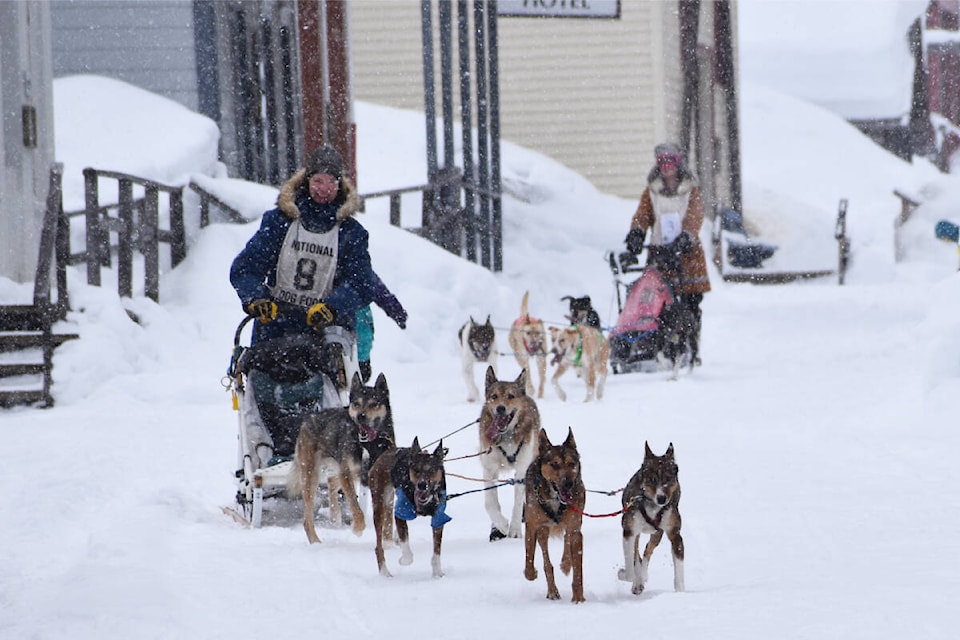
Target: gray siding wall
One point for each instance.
(25, 171)
(148, 43)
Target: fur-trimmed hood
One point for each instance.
(296, 186)
(657, 185)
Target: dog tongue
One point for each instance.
(367, 433)
(498, 425)
(565, 494)
(422, 497)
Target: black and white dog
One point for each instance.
(478, 344)
(678, 334)
(582, 312)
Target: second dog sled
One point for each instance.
(634, 339)
(274, 383)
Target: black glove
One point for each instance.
(396, 312)
(634, 240)
(366, 370)
(684, 243)
(320, 316)
(628, 259)
(263, 310)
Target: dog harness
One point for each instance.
(655, 521)
(547, 509)
(576, 358)
(511, 458)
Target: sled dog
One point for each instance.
(509, 423)
(478, 343)
(651, 504)
(677, 332)
(554, 507)
(334, 440)
(585, 349)
(415, 479)
(528, 340)
(582, 312)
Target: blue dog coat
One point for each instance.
(403, 508)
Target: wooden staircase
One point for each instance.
(27, 340)
(27, 343)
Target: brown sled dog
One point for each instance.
(528, 340)
(651, 504)
(509, 423)
(334, 440)
(554, 506)
(586, 350)
(416, 478)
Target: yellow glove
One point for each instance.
(320, 315)
(263, 310)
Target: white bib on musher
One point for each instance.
(668, 216)
(306, 266)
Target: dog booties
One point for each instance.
(404, 509)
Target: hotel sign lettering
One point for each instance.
(559, 8)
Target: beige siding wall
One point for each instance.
(593, 94)
(385, 44)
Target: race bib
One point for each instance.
(670, 227)
(306, 266)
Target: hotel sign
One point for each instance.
(559, 8)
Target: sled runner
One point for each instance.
(274, 384)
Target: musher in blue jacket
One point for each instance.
(308, 265)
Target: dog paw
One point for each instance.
(358, 526)
(514, 532)
(577, 598)
(637, 588)
(553, 594)
(406, 559)
(625, 576)
(530, 573)
(496, 534)
(385, 572)
(435, 565)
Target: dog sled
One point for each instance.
(274, 384)
(635, 339)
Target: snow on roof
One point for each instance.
(849, 56)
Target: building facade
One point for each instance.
(596, 94)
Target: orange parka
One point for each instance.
(654, 204)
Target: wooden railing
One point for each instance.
(136, 225)
(207, 199)
(54, 252)
(843, 242)
(135, 221)
(444, 220)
